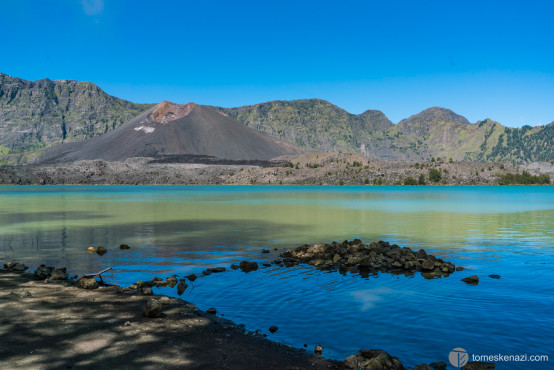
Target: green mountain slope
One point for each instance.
(312, 123)
(40, 113)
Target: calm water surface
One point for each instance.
(183, 229)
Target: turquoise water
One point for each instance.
(183, 229)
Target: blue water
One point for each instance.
(183, 229)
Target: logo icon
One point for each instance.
(458, 357)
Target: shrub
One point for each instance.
(421, 180)
(287, 164)
(524, 179)
(410, 181)
(434, 175)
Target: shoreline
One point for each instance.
(57, 325)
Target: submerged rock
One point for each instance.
(273, 329)
(181, 287)
(494, 276)
(472, 280)
(101, 251)
(216, 269)
(248, 266)
(124, 246)
(192, 277)
(153, 308)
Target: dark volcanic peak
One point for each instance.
(166, 111)
(170, 129)
(435, 115)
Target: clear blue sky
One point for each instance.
(480, 58)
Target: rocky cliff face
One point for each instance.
(40, 113)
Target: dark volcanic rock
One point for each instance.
(153, 308)
(248, 266)
(42, 272)
(358, 257)
(101, 251)
(181, 287)
(472, 280)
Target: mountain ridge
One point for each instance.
(43, 113)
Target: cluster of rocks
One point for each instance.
(373, 359)
(101, 250)
(378, 256)
(50, 273)
(15, 266)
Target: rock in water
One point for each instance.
(248, 266)
(181, 287)
(191, 277)
(101, 251)
(171, 281)
(153, 308)
(88, 283)
(472, 280)
(20, 267)
(273, 329)
(377, 359)
(318, 349)
(59, 275)
(124, 246)
(211, 310)
(438, 365)
(494, 276)
(42, 272)
(91, 249)
(146, 290)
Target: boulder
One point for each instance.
(19, 267)
(42, 272)
(428, 264)
(153, 308)
(235, 266)
(124, 246)
(351, 362)
(101, 251)
(273, 329)
(191, 277)
(171, 281)
(59, 275)
(378, 359)
(248, 266)
(181, 287)
(155, 278)
(211, 311)
(88, 283)
(472, 280)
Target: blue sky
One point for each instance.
(480, 58)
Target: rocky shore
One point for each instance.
(50, 319)
(307, 169)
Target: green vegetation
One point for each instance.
(410, 181)
(434, 175)
(524, 178)
(287, 164)
(356, 164)
(421, 180)
(313, 165)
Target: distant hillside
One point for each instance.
(170, 129)
(434, 132)
(312, 123)
(40, 113)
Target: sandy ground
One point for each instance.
(57, 326)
